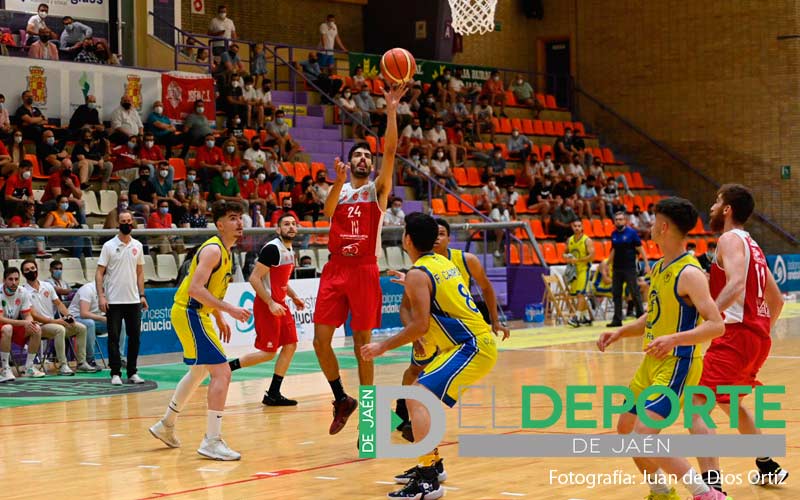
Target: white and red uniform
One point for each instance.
(273, 331)
(736, 357)
(350, 280)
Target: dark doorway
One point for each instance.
(557, 67)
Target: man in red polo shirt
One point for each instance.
(19, 187)
(63, 182)
(208, 161)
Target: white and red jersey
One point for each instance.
(14, 306)
(749, 310)
(280, 261)
(356, 222)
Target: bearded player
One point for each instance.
(350, 281)
(751, 303)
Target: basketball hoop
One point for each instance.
(472, 16)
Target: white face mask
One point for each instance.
(235, 84)
(26, 175)
(223, 15)
(262, 177)
(149, 144)
(158, 110)
(248, 87)
(200, 111)
(17, 139)
(42, 14)
(227, 175)
(163, 173)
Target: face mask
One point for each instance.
(262, 177)
(496, 78)
(131, 145)
(230, 149)
(227, 175)
(149, 144)
(29, 100)
(31, 275)
(431, 101)
(50, 141)
(279, 121)
(126, 105)
(91, 105)
(42, 14)
(515, 134)
(64, 206)
(17, 139)
(26, 175)
(248, 87)
(191, 178)
(163, 210)
(223, 15)
(158, 110)
(364, 93)
(125, 228)
(123, 205)
(235, 84)
(395, 209)
(415, 157)
(439, 128)
(347, 95)
(144, 176)
(498, 155)
(440, 155)
(69, 28)
(209, 144)
(57, 273)
(200, 111)
(245, 177)
(519, 82)
(2, 106)
(237, 121)
(287, 208)
(163, 173)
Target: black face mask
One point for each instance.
(29, 100)
(144, 177)
(125, 228)
(285, 208)
(31, 275)
(126, 105)
(195, 210)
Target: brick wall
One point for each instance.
(708, 79)
(294, 22)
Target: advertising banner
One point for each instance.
(79, 9)
(158, 336)
(179, 91)
(427, 71)
(786, 271)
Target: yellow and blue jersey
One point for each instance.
(217, 283)
(578, 249)
(667, 312)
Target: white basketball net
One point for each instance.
(472, 16)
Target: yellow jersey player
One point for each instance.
(673, 331)
(444, 312)
(580, 253)
(200, 297)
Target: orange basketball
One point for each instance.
(398, 65)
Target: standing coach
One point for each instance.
(625, 243)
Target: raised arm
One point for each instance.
(383, 184)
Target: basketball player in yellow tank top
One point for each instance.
(580, 253)
(199, 297)
(444, 312)
(673, 331)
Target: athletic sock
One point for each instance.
(713, 479)
(213, 424)
(186, 387)
(29, 360)
(694, 482)
(275, 386)
(658, 482)
(234, 364)
(338, 390)
(4, 356)
(171, 415)
(428, 460)
(402, 410)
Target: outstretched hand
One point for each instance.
(393, 96)
(399, 277)
(341, 171)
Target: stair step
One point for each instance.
(287, 97)
(324, 134)
(310, 122)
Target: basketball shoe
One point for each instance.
(423, 485)
(405, 477)
(713, 494)
(217, 449)
(672, 495)
(166, 434)
(341, 412)
(769, 473)
(277, 400)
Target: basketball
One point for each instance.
(398, 65)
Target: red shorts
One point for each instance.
(350, 285)
(272, 331)
(734, 359)
(18, 335)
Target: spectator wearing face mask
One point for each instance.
(127, 161)
(412, 136)
(7, 164)
(482, 115)
(44, 47)
(62, 218)
(329, 39)
(162, 178)
(230, 63)
(264, 193)
(436, 137)
(265, 96)
(440, 167)
(519, 146)
(72, 37)
(162, 219)
(708, 257)
(125, 121)
(208, 161)
(30, 118)
(366, 105)
(87, 53)
(142, 194)
(493, 89)
(230, 154)
(162, 128)
(92, 156)
(51, 153)
(64, 291)
(254, 116)
(233, 100)
(26, 217)
(286, 208)
(525, 95)
(439, 88)
(394, 217)
(278, 131)
(151, 154)
(413, 176)
(221, 26)
(18, 188)
(36, 23)
(86, 116)
(496, 165)
(188, 189)
(194, 218)
(122, 206)
(225, 187)
(348, 104)
(195, 128)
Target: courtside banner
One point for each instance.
(79, 9)
(392, 296)
(158, 335)
(180, 90)
(242, 295)
(786, 271)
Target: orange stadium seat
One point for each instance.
(561, 249)
(550, 101)
(535, 149)
(637, 179)
(549, 252)
(438, 206)
(287, 168)
(249, 133)
(452, 204)
(587, 228)
(460, 175)
(608, 157)
(179, 166)
(652, 250)
(316, 167)
(469, 198)
(505, 126)
(527, 127)
(522, 205)
(608, 227)
(599, 251)
(373, 144)
(607, 247)
(648, 200)
(301, 170)
(517, 124)
(538, 127)
(511, 99)
(538, 229)
(514, 257)
(473, 177)
(558, 127)
(37, 169)
(639, 201)
(549, 129)
(598, 229)
(496, 125)
(529, 257)
(546, 148)
(542, 100)
(578, 128)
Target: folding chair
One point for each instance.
(558, 304)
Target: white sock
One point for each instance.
(184, 390)
(213, 424)
(658, 482)
(29, 360)
(4, 358)
(694, 482)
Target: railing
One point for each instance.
(655, 157)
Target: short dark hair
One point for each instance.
(223, 6)
(712, 244)
(29, 261)
(740, 200)
(284, 216)
(691, 245)
(356, 146)
(222, 208)
(423, 230)
(9, 271)
(26, 164)
(680, 211)
(43, 5)
(64, 19)
(55, 263)
(444, 224)
(280, 112)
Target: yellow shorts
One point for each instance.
(580, 285)
(673, 372)
(461, 366)
(198, 336)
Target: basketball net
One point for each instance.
(472, 16)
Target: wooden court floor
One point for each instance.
(100, 448)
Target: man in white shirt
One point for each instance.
(36, 23)
(125, 121)
(394, 217)
(120, 289)
(412, 136)
(17, 325)
(329, 38)
(85, 308)
(221, 26)
(45, 304)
